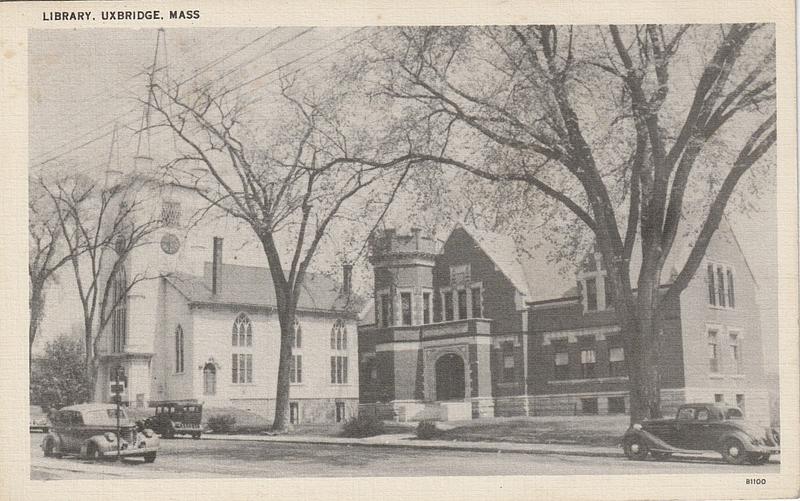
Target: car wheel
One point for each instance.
(49, 449)
(661, 456)
(149, 457)
(196, 436)
(636, 449)
(93, 453)
(733, 451)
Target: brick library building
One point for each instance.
(456, 334)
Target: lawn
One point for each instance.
(579, 430)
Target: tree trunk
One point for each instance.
(641, 327)
(286, 320)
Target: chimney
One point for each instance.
(347, 279)
(415, 232)
(216, 266)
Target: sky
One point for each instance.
(84, 82)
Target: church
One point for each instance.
(468, 330)
(206, 328)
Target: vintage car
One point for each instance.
(90, 430)
(176, 418)
(700, 428)
(38, 420)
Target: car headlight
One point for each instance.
(110, 436)
(637, 426)
(148, 432)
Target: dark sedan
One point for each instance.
(699, 428)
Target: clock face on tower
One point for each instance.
(170, 243)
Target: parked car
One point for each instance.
(176, 418)
(90, 430)
(699, 428)
(38, 420)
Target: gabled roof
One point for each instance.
(502, 250)
(253, 286)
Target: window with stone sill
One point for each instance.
(561, 363)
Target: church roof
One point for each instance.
(253, 286)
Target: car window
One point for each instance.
(734, 413)
(105, 417)
(702, 415)
(686, 413)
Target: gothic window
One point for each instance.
(242, 359)
(179, 349)
(242, 333)
(209, 379)
(171, 213)
(119, 313)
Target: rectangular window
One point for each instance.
(616, 361)
(720, 286)
(340, 412)
(713, 352)
(561, 363)
(448, 306)
(296, 369)
(386, 310)
(587, 363)
(241, 368)
(405, 307)
(712, 296)
(616, 405)
(508, 362)
(719, 398)
(589, 405)
(171, 213)
(338, 370)
(294, 412)
(591, 294)
(477, 307)
(731, 293)
(437, 308)
(609, 291)
(462, 304)
(426, 308)
(733, 340)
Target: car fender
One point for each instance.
(56, 442)
(743, 437)
(100, 442)
(650, 439)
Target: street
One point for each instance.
(186, 458)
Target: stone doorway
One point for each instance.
(450, 377)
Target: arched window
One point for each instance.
(119, 312)
(209, 379)
(339, 360)
(339, 335)
(242, 359)
(179, 349)
(242, 334)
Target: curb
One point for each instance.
(428, 446)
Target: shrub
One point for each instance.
(427, 430)
(222, 423)
(363, 426)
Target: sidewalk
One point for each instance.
(409, 441)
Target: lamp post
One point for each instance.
(116, 389)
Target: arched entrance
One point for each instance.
(450, 377)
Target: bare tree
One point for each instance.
(46, 253)
(622, 126)
(101, 226)
(307, 167)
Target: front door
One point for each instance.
(450, 377)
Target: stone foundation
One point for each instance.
(311, 410)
